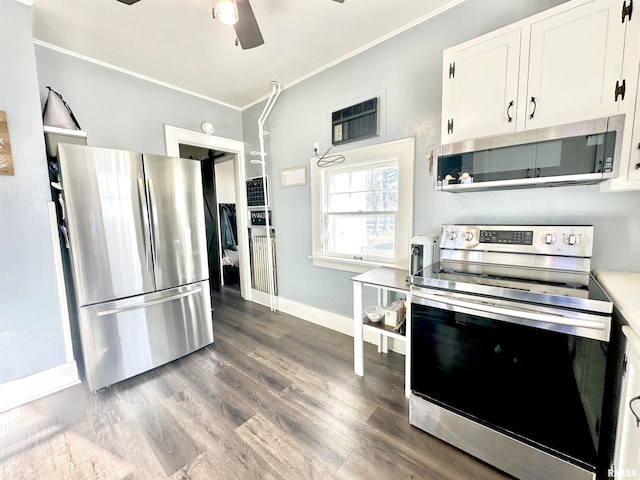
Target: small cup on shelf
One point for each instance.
(374, 313)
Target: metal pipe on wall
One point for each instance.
(276, 89)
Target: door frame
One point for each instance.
(174, 136)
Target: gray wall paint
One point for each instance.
(116, 110)
(120, 111)
(407, 69)
(31, 336)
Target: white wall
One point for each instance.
(118, 110)
(225, 181)
(406, 69)
(31, 328)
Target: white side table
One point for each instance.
(385, 280)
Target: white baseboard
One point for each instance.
(26, 389)
(336, 322)
(262, 298)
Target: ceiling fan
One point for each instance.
(245, 24)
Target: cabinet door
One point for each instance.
(483, 82)
(634, 165)
(575, 60)
(627, 456)
(632, 53)
(629, 178)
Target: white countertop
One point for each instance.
(624, 289)
(385, 277)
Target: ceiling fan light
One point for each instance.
(227, 11)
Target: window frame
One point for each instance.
(327, 212)
(402, 151)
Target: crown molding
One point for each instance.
(127, 72)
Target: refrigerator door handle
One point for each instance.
(154, 219)
(150, 303)
(145, 223)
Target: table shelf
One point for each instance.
(384, 279)
(382, 329)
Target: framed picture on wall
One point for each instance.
(292, 177)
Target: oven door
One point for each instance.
(514, 371)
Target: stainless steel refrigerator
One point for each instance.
(138, 249)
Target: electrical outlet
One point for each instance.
(316, 147)
(337, 133)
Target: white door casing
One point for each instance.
(174, 136)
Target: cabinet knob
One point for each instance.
(509, 117)
(533, 100)
(633, 412)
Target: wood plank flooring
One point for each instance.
(273, 398)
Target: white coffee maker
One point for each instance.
(423, 253)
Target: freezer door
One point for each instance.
(127, 337)
(176, 205)
(106, 210)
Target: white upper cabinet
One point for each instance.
(575, 61)
(481, 87)
(634, 165)
(559, 66)
(629, 178)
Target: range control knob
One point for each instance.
(452, 235)
(467, 236)
(572, 239)
(549, 238)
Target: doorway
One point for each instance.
(229, 154)
(218, 185)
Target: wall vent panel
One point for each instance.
(355, 122)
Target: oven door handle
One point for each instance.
(485, 307)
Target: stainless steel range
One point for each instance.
(509, 340)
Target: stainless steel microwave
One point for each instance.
(578, 153)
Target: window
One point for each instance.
(359, 211)
(362, 208)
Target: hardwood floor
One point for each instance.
(274, 397)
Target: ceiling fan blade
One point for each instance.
(247, 29)
(339, 1)
(128, 2)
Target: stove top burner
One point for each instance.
(583, 295)
(580, 290)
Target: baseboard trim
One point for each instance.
(26, 389)
(334, 321)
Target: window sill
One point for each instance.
(347, 264)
